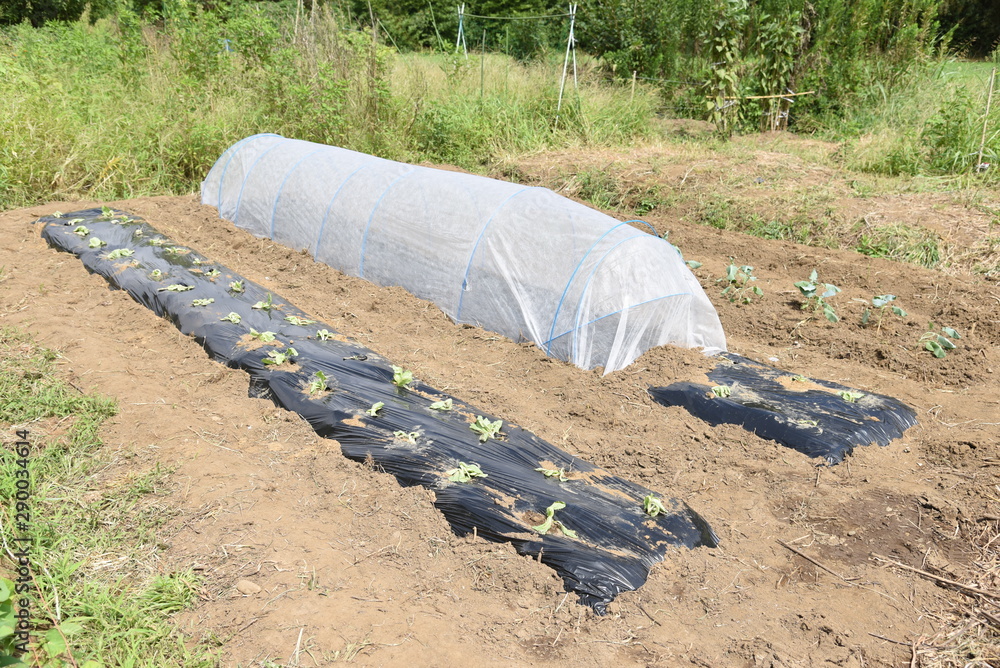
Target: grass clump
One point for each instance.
(81, 522)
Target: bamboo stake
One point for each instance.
(632, 99)
(767, 97)
(986, 118)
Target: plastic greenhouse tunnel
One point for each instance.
(518, 260)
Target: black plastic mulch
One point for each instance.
(616, 543)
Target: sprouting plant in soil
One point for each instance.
(176, 250)
(57, 214)
(277, 358)
(401, 377)
(236, 286)
(176, 287)
(233, 317)
(816, 294)
(212, 273)
(96, 243)
(156, 274)
(559, 474)
(880, 304)
(81, 230)
(550, 521)
(324, 334)
(137, 233)
(465, 472)
(652, 505)
(318, 383)
(263, 337)
(408, 436)
(107, 213)
(485, 428)
(445, 405)
(939, 343)
(738, 280)
(120, 253)
(202, 302)
(800, 379)
(850, 396)
(693, 264)
(722, 391)
(296, 320)
(265, 305)
(158, 241)
(376, 407)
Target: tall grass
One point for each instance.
(124, 108)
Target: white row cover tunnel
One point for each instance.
(518, 260)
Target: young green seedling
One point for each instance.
(158, 241)
(738, 280)
(265, 305)
(318, 383)
(137, 233)
(554, 473)
(939, 344)
(120, 253)
(236, 286)
(722, 391)
(376, 407)
(445, 405)
(408, 436)
(815, 299)
(401, 377)
(96, 243)
(202, 302)
(465, 472)
(57, 214)
(176, 287)
(107, 213)
(296, 320)
(693, 264)
(81, 230)
(233, 317)
(800, 379)
(485, 428)
(550, 519)
(176, 250)
(881, 303)
(277, 358)
(156, 274)
(653, 506)
(212, 273)
(263, 337)
(850, 396)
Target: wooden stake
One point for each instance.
(986, 118)
(633, 86)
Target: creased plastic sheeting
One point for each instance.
(806, 414)
(521, 261)
(617, 542)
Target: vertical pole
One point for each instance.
(986, 118)
(482, 66)
(632, 99)
(562, 83)
(572, 41)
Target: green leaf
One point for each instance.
(445, 405)
(236, 286)
(865, 316)
(96, 243)
(376, 407)
(814, 276)
(693, 264)
(550, 519)
(945, 343)
(948, 331)
(935, 348)
(80, 230)
(850, 396)
(401, 377)
(898, 311)
(202, 302)
(53, 643)
(653, 506)
(233, 317)
(722, 391)
(554, 473)
(485, 428)
(465, 472)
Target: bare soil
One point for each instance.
(300, 548)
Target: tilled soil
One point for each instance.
(301, 548)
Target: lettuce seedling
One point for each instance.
(465, 472)
(233, 317)
(376, 407)
(106, 213)
(324, 334)
(485, 428)
(653, 506)
(156, 274)
(212, 273)
(550, 519)
(81, 230)
(318, 383)
(296, 320)
(738, 287)
(554, 473)
(158, 241)
(277, 358)
(408, 436)
(815, 299)
(96, 243)
(202, 302)
(120, 253)
(722, 391)
(265, 305)
(401, 377)
(176, 287)
(177, 250)
(236, 286)
(263, 337)
(137, 233)
(800, 379)
(850, 396)
(445, 405)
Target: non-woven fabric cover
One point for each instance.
(518, 260)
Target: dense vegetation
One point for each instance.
(144, 99)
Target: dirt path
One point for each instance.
(366, 569)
